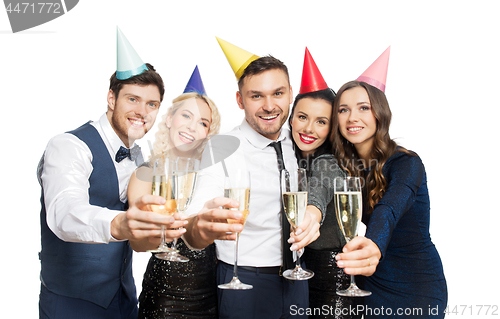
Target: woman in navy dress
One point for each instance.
(401, 265)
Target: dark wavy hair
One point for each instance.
(383, 146)
(149, 77)
(329, 96)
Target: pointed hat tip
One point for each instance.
(237, 57)
(376, 74)
(312, 80)
(195, 83)
(128, 62)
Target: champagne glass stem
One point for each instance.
(235, 271)
(163, 235)
(297, 261)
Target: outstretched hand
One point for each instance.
(360, 256)
(307, 232)
(139, 222)
(211, 223)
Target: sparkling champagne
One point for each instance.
(242, 195)
(164, 186)
(348, 208)
(295, 207)
(186, 184)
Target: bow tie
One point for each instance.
(123, 153)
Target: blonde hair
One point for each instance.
(161, 146)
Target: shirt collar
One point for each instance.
(258, 140)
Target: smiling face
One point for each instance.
(133, 112)
(266, 99)
(189, 125)
(356, 120)
(310, 124)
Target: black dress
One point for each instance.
(319, 256)
(178, 289)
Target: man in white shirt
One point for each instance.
(85, 222)
(265, 95)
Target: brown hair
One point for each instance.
(261, 65)
(149, 77)
(383, 146)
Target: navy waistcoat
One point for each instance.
(93, 272)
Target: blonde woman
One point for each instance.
(177, 289)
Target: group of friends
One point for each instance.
(96, 202)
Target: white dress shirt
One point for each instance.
(260, 240)
(65, 179)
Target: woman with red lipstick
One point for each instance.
(402, 267)
(311, 127)
(178, 289)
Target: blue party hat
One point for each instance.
(128, 62)
(195, 84)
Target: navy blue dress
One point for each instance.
(409, 281)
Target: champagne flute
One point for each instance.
(294, 192)
(237, 187)
(349, 208)
(163, 185)
(186, 172)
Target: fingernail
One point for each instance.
(298, 231)
(183, 230)
(293, 248)
(340, 263)
(291, 240)
(186, 222)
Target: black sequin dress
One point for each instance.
(180, 290)
(320, 255)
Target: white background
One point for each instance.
(442, 85)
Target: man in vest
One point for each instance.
(86, 259)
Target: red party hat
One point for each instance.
(376, 74)
(312, 80)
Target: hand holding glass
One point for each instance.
(237, 187)
(294, 191)
(163, 185)
(186, 172)
(349, 208)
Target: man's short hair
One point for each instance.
(261, 65)
(149, 77)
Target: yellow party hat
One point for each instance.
(238, 58)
